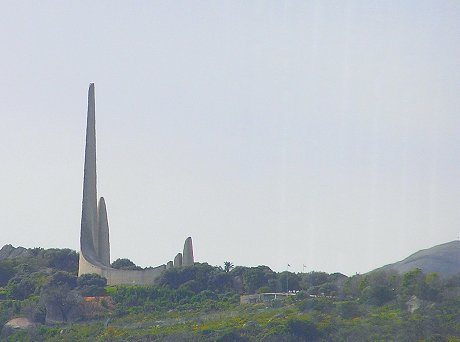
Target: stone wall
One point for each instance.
(121, 277)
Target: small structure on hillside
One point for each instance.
(264, 297)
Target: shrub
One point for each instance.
(6, 272)
(302, 328)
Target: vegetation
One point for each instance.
(202, 303)
(228, 266)
(125, 264)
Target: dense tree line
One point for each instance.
(250, 280)
(24, 277)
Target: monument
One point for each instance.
(187, 257)
(94, 235)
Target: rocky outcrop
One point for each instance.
(413, 304)
(62, 306)
(10, 252)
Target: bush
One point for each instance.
(348, 309)
(91, 285)
(20, 288)
(302, 328)
(62, 259)
(256, 277)
(197, 278)
(125, 264)
(232, 336)
(63, 278)
(6, 272)
(378, 295)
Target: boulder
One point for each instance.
(20, 323)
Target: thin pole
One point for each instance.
(287, 279)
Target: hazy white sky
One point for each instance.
(317, 133)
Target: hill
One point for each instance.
(443, 259)
(42, 299)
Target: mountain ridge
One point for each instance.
(443, 259)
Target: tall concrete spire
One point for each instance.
(89, 204)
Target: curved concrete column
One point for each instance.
(178, 260)
(103, 233)
(187, 257)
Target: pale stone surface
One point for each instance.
(413, 304)
(15, 324)
(187, 257)
(178, 260)
(20, 323)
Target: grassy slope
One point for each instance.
(270, 322)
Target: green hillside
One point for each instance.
(202, 303)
